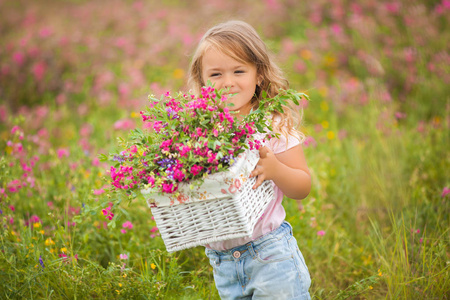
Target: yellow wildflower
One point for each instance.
(325, 124)
(64, 250)
(49, 242)
(370, 287)
(153, 266)
(178, 73)
(380, 273)
(37, 225)
(330, 135)
(120, 284)
(134, 115)
(124, 276)
(118, 292)
(41, 231)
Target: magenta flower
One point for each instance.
(128, 225)
(321, 233)
(62, 152)
(124, 124)
(445, 192)
(99, 192)
(309, 141)
(123, 256)
(195, 169)
(39, 69)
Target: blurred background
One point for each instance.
(75, 74)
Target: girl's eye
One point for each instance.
(239, 72)
(215, 74)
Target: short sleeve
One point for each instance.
(283, 143)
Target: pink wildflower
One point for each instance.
(445, 192)
(124, 124)
(123, 256)
(99, 192)
(39, 70)
(62, 152)
(309, 141)
(169, 188)
(321, 233)
(128, 225)
(178, 175)
(18, 58)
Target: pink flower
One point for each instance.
(39, 70)
(321, 233)
(124, 124)
(123, 231)
(96, 162)
(309, 141)
(400, 115)
(133, 149)
(99, 192)
(169, 188)
(18, 58)
(123, 256)
(445, 192)
(62, 152)
(185, 150)
(154, 229)
(195, 169)
(178, 175)
(14, 129)
(14, 186)
(128, 225)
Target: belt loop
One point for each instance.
(217, 257)
(251, 250)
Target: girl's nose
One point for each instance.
(228, 82)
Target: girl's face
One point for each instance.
(225, 72)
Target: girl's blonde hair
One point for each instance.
(241, 42)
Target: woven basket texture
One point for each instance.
(189, 225)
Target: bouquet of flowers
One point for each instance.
(186, 138)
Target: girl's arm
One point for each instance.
(288, 170)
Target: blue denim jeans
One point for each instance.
(270, 267)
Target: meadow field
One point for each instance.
(75, 74)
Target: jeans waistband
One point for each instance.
(284, 229)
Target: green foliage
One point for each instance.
(377, 145)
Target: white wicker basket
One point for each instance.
(188, 225)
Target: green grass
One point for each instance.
(378, 178)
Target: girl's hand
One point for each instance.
(266, 168)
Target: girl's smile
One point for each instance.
(226, 72)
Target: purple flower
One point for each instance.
(41, 262)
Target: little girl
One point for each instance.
(268, 265)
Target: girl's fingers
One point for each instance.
(259, 181)
(256, 171)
